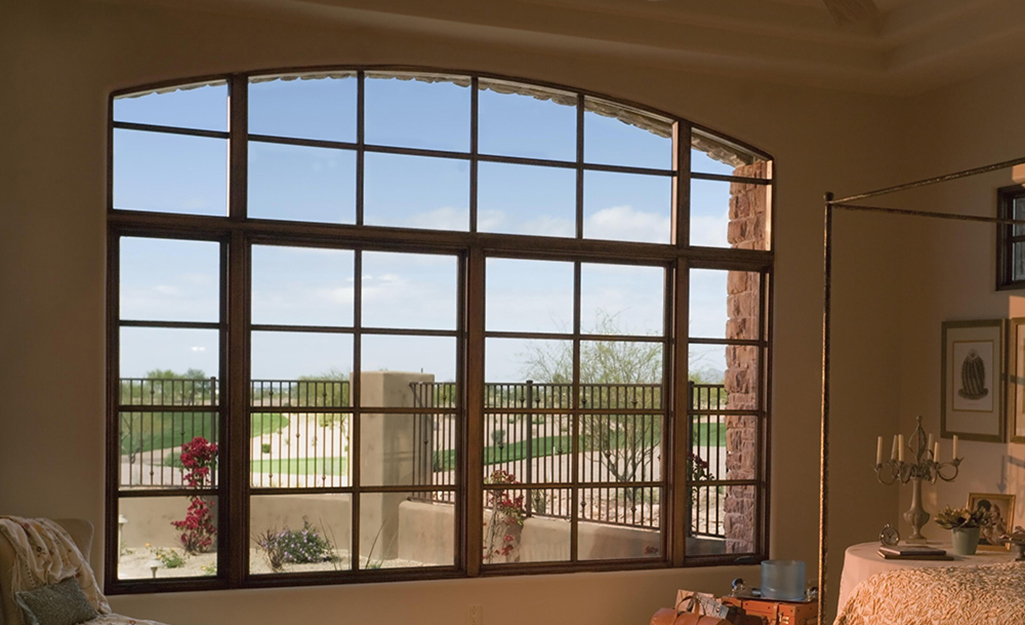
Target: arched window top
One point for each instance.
(431, 150)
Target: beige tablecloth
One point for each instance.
(862, 561)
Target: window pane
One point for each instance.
(723, 520)
(524, 199)
(202, 108)
(621, 299)
(726, 375)
(705, 163)
(170, 280)
(1018, 262)
(305, 108)
(627, 207)
(411, 291)
(525, 524)
(299, 449)
(729, 214)
(619, 523)
(169, 353)
(152, 547)
(529, 121)
(620, 448)
(151, 442)
(325, 390)
(400, 530)
(712, 155)
(288, 356)
(518, 360)
(618, 135)
(617, 373)
(300, 533)
(416, 192)
(724, 304)
(301, 183)
(533, 448)
(170, 173)
(386, 359)
(302, 286)
(418, 114)
(529, 295)
(408, 449)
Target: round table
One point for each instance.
(862, 561)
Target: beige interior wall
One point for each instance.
(950, 267)
(60, 60)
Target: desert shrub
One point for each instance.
(295, 546)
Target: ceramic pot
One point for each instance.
(965, 540)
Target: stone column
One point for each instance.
(386, 457)
(749, 212)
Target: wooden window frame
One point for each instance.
(1006, 240)
(236, 233)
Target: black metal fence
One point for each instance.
(528, 435)
(300, 432)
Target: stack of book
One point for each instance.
(913, 552)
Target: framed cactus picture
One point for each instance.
(972, 385)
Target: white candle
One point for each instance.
(879, 450)
(955, 446)
(900, 448)
(893, 452)
(929, 445)
(936, 451)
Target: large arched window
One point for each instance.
(371, 324)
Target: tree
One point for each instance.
(618, 374)
(613, 374)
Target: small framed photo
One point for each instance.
(1001, 506)
(1016, 380)
(972, 385)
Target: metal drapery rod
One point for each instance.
(918, 213)
(832, 203)
(985, 169)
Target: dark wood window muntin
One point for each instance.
(356, 409)
(1007, 241)
(241, 231)
(576, 411)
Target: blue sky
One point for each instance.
(178, 280)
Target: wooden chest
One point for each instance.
(771, 612)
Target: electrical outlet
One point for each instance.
(475, 615)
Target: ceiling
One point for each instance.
(914, 46)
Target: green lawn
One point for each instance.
(144, 431)
(302, 466)
(714, 433)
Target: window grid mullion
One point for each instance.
(234, 487)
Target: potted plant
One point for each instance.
(964, 524)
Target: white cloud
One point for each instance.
(444, 218)
(624, 223)
(710, 231)
(198, 348)
(489, 220)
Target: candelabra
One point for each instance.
(925, 466)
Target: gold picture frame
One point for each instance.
(1002, 505)
(972, 381)
(1016, 380)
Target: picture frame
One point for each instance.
(972, 382)
(1002, 505)
(1016, 380)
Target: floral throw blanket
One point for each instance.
(47, 555)
(954, 595)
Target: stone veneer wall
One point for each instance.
(749, 205)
